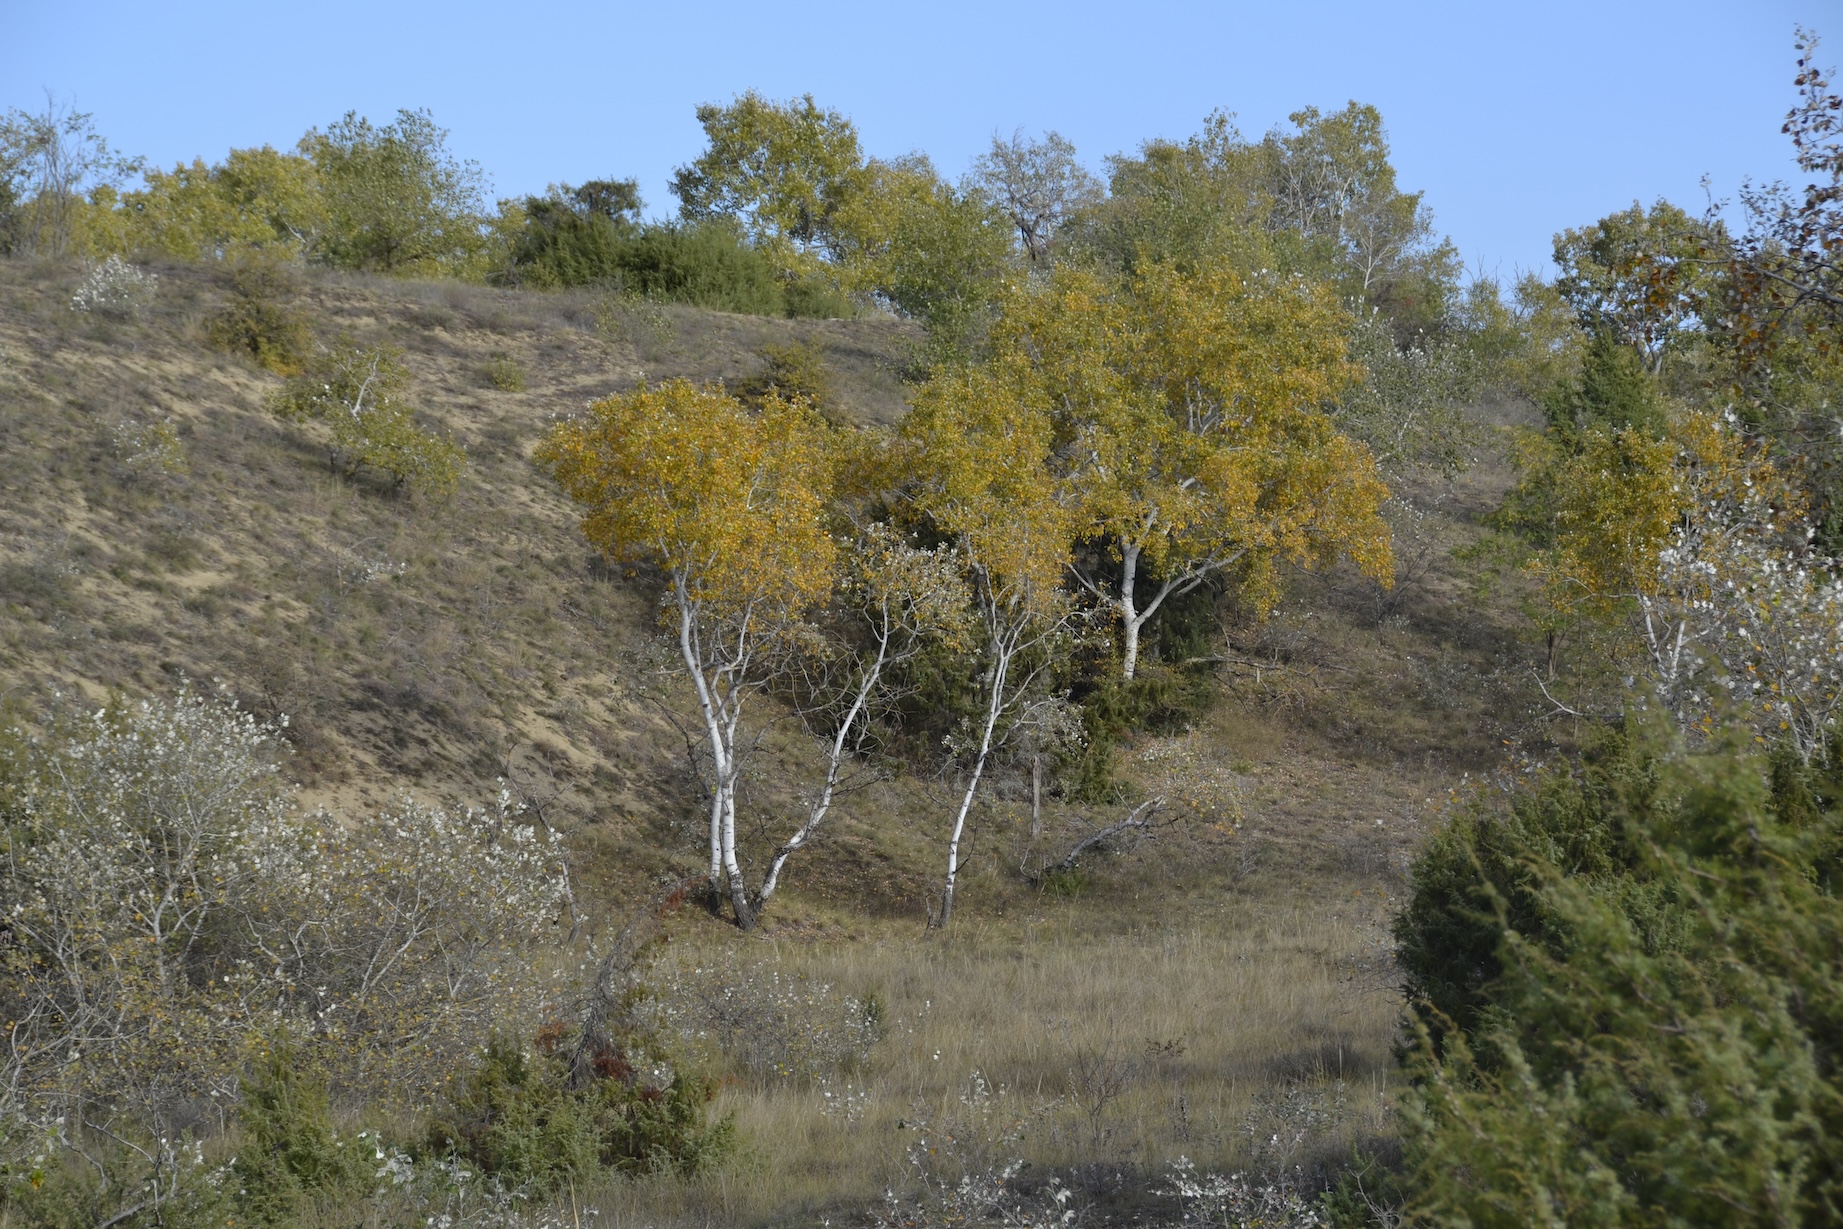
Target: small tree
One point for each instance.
(361, 394)
(1038, 184)
(1695, 550)
(48, 161)
(980, 460)
(899, 598)
(730, 505)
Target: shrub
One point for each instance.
(504, 373)
(115, 289)
(707, 264)
(775, 1029)
(797, 369)
(170, 914)
(258, 319)
(1649, 971)
(1476, 879)
(147, 450)
(290, 1149)
(519, 1116)
(360, 393)
(624, 316)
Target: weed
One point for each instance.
(146, 451)
(628, 317)
(775, 1027)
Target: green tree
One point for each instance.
(255, 200)
(1337, 211)
(575, 236)
(782, 170)
(396, 200)
(1203, 199)
(1640, 278)
(929, 250)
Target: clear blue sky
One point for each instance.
(1516, 119)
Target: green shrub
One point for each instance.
(1647, 954)
(518, 1116)
(797, 369)
(259, 318)
(504, 373)
(707, 264)
(1480, 876)
(360, 393)
(290, 1150)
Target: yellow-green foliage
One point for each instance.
(797, 369)
(254, 200)
(360, 394)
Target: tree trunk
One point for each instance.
(1036, 796)
(1002, 650)
(1130, 618)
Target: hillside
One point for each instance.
(442, 646)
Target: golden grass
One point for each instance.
(1111, 1052)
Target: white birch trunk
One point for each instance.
(1004, 645)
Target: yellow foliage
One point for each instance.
(979, 453)
(685, 477)
(1620, 498)
(1187, 411)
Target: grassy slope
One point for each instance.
(1254, 940)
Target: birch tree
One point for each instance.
(730, 505)
(1697, 544)
(900, 597)
(980, 453)
(1191, 436)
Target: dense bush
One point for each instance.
(1485, 873)
(259, 319)
(170, 915)
(521, 1117)
(707, 264)
(1647, 962)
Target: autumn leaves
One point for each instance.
(1117, 444)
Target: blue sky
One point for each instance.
(1516, 119)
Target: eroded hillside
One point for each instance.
(443, 645)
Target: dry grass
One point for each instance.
(1241, 1031)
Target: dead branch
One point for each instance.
(1142, 818)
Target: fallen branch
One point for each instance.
(1141, 818)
